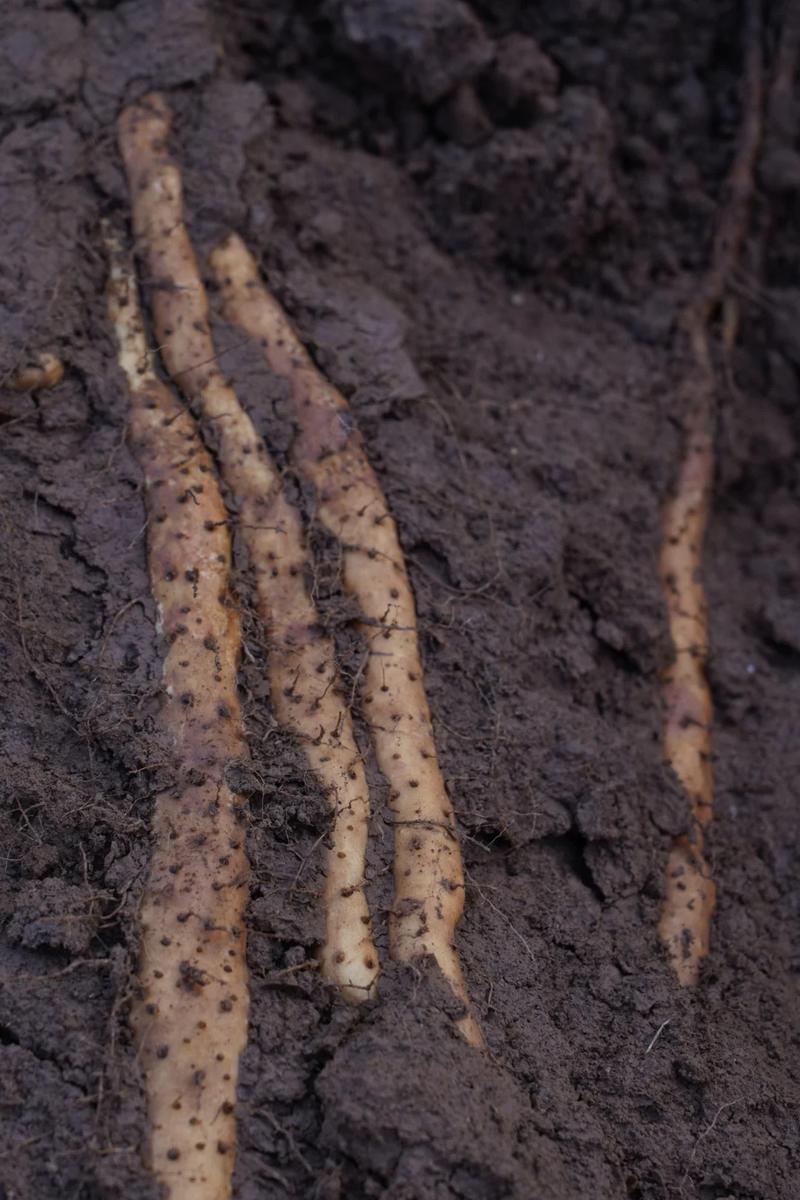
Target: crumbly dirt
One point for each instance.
(485, 221)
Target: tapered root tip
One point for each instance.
(686, 919)
(153, 107)
(236, 271)
(143, 128)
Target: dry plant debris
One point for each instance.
(328, 451)
(191, 1003)
(306, 694)
(690, 892)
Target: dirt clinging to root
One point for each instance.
(485, 220)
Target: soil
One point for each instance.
(485, 221)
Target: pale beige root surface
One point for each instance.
(306, 695)
(190, 1008)
(40, 371)
(429, 877)
(685, 925)
(690, 892)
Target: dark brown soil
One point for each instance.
(485, 222)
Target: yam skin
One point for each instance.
(305, 691)
(690, 892)
(685, 925)
(328, 451)
(190, 1006)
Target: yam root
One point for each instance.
(39, 372)
(691, 894)
(304, 687)
(685, 925)
(328, 451)
(190, 1008)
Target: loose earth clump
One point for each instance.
(486, 223)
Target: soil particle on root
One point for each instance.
(527, 476)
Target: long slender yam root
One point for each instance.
(685, 925)
(304, 686)
(429, 877)
(690, 894)
(190, 1010)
